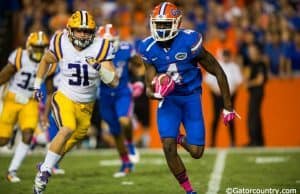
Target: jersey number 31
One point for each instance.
(78, 79)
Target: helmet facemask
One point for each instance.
(81, 42)
(36, 52)
(163, 29)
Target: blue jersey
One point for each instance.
(121, 60)
(177, 61)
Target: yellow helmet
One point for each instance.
(81, 21)
(36, 44)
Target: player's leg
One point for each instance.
(193, 122)
(52, 131)
(124, 109)
(109, 115)
(64, 113)
(83, 114)
(169, 117)
(8, 118)
(11, 112)
(142, 113)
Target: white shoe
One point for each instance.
(124, 170)
(40, 182)
(133, 153)
(58, 171)
(12, 177)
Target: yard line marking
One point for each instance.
(270, 159)
(216, 175)
(152, 161)
(127, 183)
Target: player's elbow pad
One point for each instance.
(106, 76)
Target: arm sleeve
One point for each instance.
(55, 45)
(110, 53)
(12, 57)
(106, 51)
(143, 53)
(132, 51)
(195, 40)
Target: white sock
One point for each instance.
(20, 153)
(50, 161)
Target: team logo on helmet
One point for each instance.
(175, 12)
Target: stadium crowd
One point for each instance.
(226, 24)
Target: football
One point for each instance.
(163, 85)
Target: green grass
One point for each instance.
(85, 174)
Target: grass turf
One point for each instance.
(90, 172)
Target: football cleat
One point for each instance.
(125, 169)
(41, 180)
(191, 192)
(58, 171)
(12, 177)
(134, 155)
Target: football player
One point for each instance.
(116, 104)
(178, 53)
(47, 121)
(83, 60)
(19, 107)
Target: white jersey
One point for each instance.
(78, 80)
(234, 77)
(22, 82)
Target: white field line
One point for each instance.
(216, 175)
(151, 161)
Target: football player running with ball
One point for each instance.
(173, 57)
(19, 107)
(83, 59)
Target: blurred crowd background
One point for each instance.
(273, 25)
(233, 26)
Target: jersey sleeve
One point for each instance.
(195, 42)
(106, 51)
(15, 58)
(12, 57)
(132, 51)
(144, 53)
(55, 45)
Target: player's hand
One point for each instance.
(163, 85)
(38, 94)
(137, 88)
(93, 62)
(228, 116)
(152, 95)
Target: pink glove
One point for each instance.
(163, 85)
(137, 88)
(228, 116)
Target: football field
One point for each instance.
(248, 170)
